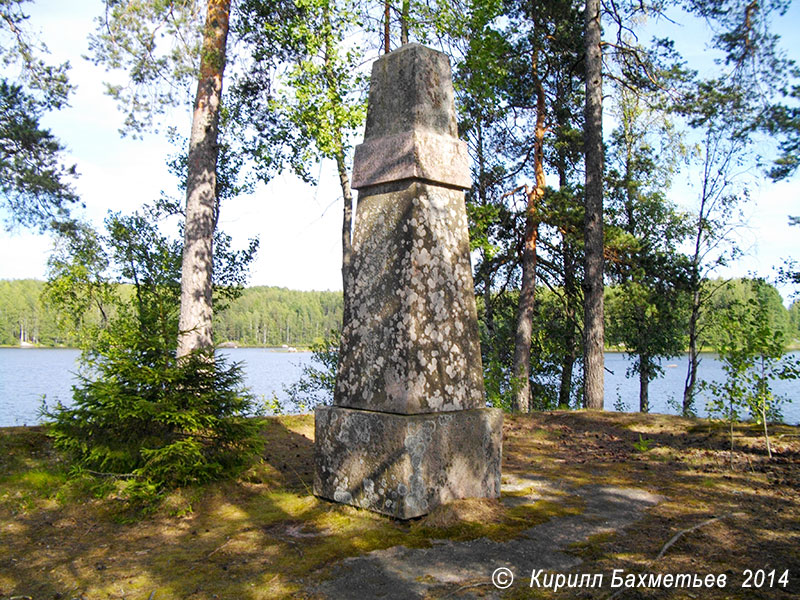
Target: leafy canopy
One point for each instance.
(35, 186)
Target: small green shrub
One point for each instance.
(139, 413)
(643, 445)
(318, 380)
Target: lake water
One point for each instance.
(28, 375)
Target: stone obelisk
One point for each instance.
(408, 429)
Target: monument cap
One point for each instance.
(412, 134)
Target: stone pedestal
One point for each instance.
(409, 429)
(405, 465)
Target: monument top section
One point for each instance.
(411, 130)
(411, 89)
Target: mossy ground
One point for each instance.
(264, 535)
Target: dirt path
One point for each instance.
(464, 569)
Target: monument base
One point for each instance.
(406, 465)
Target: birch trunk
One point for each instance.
(347, 236)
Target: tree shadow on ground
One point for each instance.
(264, 535)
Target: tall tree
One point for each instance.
(324, 102)
(515, 77)
(320, 102)
(480, 54)
(646, 312)
(131, 36)
(720, 156)
(201, 189)
(593, 328)
(726, 110)
(546, 51)
(167, 49)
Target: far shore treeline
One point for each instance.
(263, 316)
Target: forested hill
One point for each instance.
(270, 316)
(267, 316)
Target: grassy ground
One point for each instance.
(265, 535)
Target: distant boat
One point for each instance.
(672, 366)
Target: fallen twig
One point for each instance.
(675, 538)
(218, 548)
(683, 532)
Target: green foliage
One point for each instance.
(549, 350)
(751, 349)
(647, 318)
(643, 444)
(794, 320)
(723, 294)
(259, 316)
(48, 85)
(503, 55)
(35, 186)
(139, 412)
(143, 413)
(496, 329)
(269, 316)
(25, 317)
(646, 312)
(318, 380)
(318, 101)
(158, 44)
(784, 122)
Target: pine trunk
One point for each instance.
(197, 267)
(387, 14)
(524, 331)
(593, 234)
(527, 295)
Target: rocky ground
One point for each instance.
(588, 498)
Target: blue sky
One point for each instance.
(299, 225)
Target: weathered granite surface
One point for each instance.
(405, 465)
(407, 431)
(411, 129)
(412, 343)
(411, 89)
(413, 154)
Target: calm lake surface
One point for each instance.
(28, 375)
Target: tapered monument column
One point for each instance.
(409, 429)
